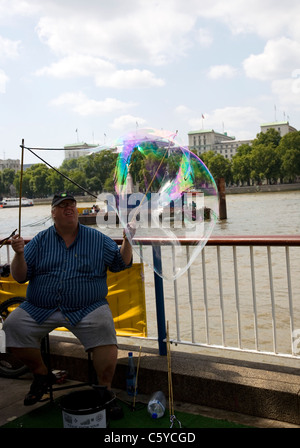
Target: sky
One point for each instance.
(92, 70)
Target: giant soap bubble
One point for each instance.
(169, 195)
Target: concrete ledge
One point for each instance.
(249, 388)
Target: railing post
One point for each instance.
(160, 303)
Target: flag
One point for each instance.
(203, 116)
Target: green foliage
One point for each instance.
(289, 153)
(93, 173)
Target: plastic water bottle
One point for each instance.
(131, 376)
(157, 404)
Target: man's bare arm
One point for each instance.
(18, 265)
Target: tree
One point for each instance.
(39, 180)
(55, 181)
(26, 184)
(8, 176)
(265, 163)
(218, 165)
(264, 156)
(242, 164)
(270, 137)
(289, 153)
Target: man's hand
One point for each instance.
(126, 249)
(17, 243)
(18, 267)
(130, 230)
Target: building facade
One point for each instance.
(75, 150)
(210, 140)
(11, 164)
(282, 127)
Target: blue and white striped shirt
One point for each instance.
(71, 279)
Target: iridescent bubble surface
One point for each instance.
(169, 195)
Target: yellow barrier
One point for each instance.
(126, 298)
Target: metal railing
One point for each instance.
(241, 295)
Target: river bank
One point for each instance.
(263, 188)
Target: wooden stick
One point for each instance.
(21, 184)
(136, 378)
(170, 386)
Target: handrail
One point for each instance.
(228, 240)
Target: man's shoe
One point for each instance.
(38, 388)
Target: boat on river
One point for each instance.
(88, 215)
(15, 202)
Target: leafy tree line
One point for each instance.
(269, 158)
(94, 173)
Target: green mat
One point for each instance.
(50, 416)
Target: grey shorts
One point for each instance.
(95, 329)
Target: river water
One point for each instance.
(247, 214)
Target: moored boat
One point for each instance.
(15, 202)
(88, 216)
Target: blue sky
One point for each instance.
(104, 67)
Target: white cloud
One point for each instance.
(222, 71)
(80, 104)
(182, 110)
(141, 34)
(77, 65)
(267, 19)
(234, 120)
(204, 37)
(279, 58)
(127, 122)
(11, 8)
(104, 73)
(287, 92)
(3, 81)
(9, 48)
(130, 79)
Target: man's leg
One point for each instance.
(105, 361)
(23, 336)
(97, 333)
(32, 358)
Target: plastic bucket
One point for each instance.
(85, 409)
